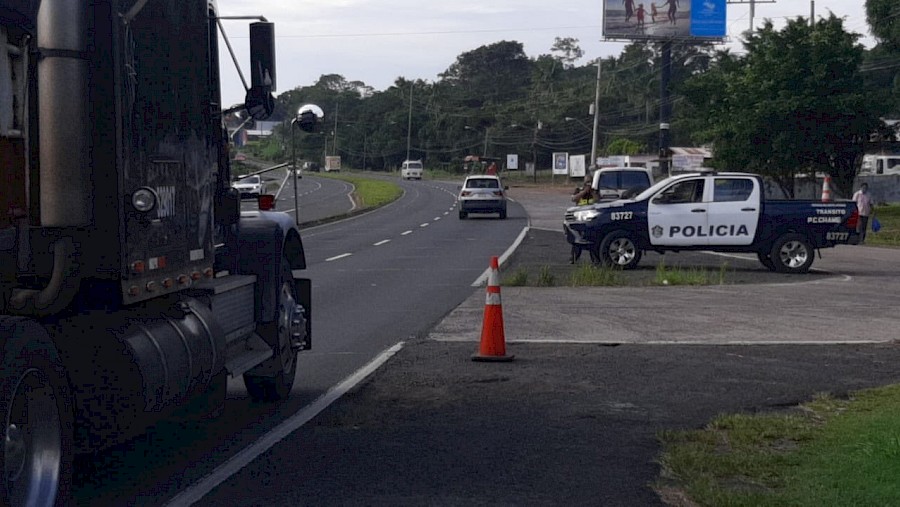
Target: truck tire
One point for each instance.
(792, 253)
(463, 215)
(278, 334)
(619, 251)
(766, 261)
(38, 418)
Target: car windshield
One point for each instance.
(482, 183)
(413, 165)
(249, 179)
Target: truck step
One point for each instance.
(243, 355)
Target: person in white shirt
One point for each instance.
(865, 208)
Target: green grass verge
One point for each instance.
(889, 235)
(693, 276)
(828, 452)
(589, 275)
(370, 193)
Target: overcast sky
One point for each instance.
(377, 41)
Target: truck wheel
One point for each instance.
(503, 215)
(279, 334)
(463, 215)
(792, 253)
(618, 250)
(766, 261)
(36, 406)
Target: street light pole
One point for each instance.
(596, 118)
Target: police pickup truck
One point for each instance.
(722, 212)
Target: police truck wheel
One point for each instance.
(766, 261)
(463, 215)
(36, 406)
(278, 334)
(792, 253)
(618, 250)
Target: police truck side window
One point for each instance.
(682, 192)
(732, 189)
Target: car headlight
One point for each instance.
(586, 215)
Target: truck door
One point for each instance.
(733, 211)
(676, 215)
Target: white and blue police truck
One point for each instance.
(721, 212)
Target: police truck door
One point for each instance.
(677, 215)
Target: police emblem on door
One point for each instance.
(657, 231)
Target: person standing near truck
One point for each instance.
(865, 208)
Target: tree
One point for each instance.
(796, 103)
(567, 50)
(884, 18)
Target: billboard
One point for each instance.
(664, 19)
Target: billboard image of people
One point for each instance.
(664, 19)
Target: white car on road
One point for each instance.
(251, 186)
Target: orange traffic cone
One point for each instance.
(493, 342)
(826, 189)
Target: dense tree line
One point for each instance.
(803, 99)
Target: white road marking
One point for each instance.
(382, 242)
(424, 225)
(480, 281)
(234, 464)
(437, 218)
(404, 233)
(446, 212)
(336, 257)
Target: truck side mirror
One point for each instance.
(262, 56)
(259, 102)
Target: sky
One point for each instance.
(377, 41)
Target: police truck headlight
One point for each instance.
(144, 199)
(586, 215)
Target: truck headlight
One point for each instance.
(143, 199)
(586, 215)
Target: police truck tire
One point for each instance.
(278, 334)
(619, 251)
(38, 418)
(463, 215)
(766, 261)
(792, 253)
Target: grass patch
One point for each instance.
(517, 279)
(889, 235)
(590, 275)
(828, 452)
(370, 193)
(693, 276)
(545, 277)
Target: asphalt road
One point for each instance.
(597, 373)
(378, 278)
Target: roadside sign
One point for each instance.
(560, 164)
(576, 166)
(512, 162)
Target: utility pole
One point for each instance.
(665, 108)
(596, 118)
(334, 139)
(409, 121)
(486, 130)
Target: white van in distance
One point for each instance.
(411, 169)
(880, 164)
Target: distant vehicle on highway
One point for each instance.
(411, 169)
(251, 186)
(482, 194)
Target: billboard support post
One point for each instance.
(665, 107)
